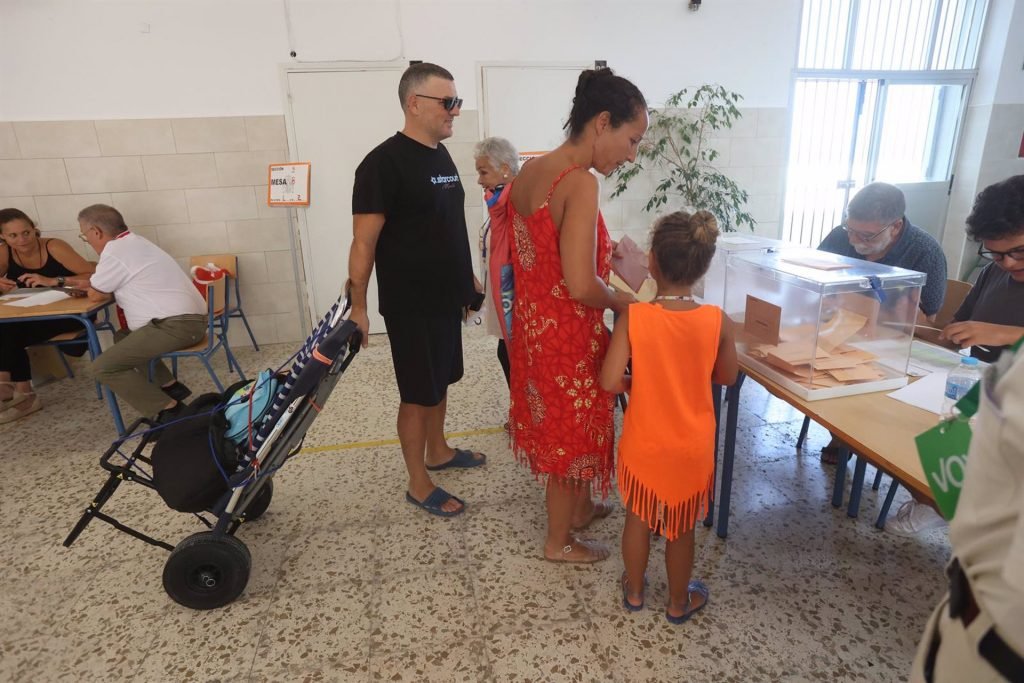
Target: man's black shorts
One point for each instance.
(427, 352)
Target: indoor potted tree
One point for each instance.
(677, 146)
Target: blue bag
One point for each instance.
(248, 405)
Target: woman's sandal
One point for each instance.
(625, 595)
(599, 554)
(601, 510)
(700, 589)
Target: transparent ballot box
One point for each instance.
(711, 288)
(823, 325)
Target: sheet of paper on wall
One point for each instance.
(40, 299)
(814, 262)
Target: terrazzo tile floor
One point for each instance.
(350, 583)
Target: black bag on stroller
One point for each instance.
(186, 458)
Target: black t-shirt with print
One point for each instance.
(423, 257)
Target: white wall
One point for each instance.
(74, 59)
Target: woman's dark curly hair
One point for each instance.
(998, 211)
(599, 90)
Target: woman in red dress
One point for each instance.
(560, 418)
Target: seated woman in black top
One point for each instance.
(28, 260)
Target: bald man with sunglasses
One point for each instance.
(409, 222)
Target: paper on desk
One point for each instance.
(40, 299)
(926, 393)
(735, 239)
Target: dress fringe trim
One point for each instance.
(661, 517)
(601, 484)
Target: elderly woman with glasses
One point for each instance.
(29, 260)
(497, 164)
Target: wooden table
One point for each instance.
(879, 429)
(79, 309)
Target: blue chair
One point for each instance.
(228, 263)
(67, 340)
(217, 295)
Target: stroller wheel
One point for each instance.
(259, 504)
(207, 570)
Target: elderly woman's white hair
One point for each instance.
(498, 151)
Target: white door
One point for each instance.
(336, 117)
(510, 110)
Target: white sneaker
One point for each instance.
(912, 518)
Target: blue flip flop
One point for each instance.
(435, 500)
(625, 592)
(463, 459)
(700, 589)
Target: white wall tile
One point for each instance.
(60, 212)
(265, 132)
(123, 137)
(743, 127)
(8, 142)
(105, 174)
(221, 204)
(758, 152)
(147, 231)
(247, 168)
(291, 327)
(262, 234)
(267, 298)
(279, 266)
(56, 139)
(34, 177)
(772, 122)
(222, 134)
(179, 171)
(191, 239)
(26, 204)
(466, 127)
(252, 267)
(156, 207)
(264, 327)
(462, 155)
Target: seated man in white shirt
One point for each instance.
(162, 307)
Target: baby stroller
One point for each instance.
(211, 568)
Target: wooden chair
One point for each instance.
(229, 263)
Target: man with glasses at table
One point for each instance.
(877, 230)
(409, 221)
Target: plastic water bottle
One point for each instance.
(959, 382)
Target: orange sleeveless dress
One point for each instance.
(667, 448)
(560, 420)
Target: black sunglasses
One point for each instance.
(1017, 254)
(449, 103)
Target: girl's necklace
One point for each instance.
(681, 297)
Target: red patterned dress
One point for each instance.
(560, 418)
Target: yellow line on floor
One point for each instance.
(394, 442)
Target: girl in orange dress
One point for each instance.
(667, 451)
(560, 420)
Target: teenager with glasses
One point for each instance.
(991, 318)
(992, 315)
(409, 221)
